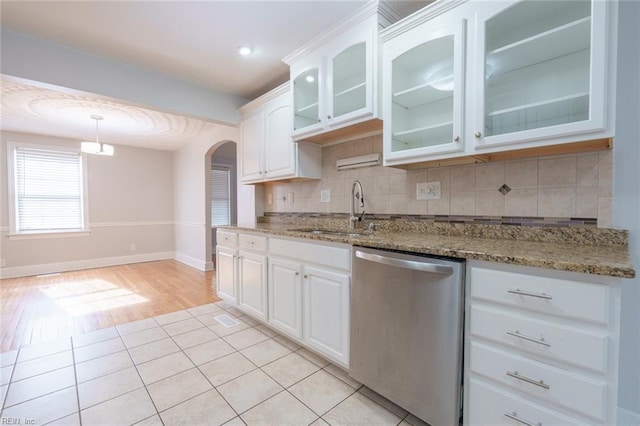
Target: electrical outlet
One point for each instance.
(132, 247)
(428, 191)
(325, 195)
(290, 198)
(269, 198)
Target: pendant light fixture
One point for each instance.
(96, 147)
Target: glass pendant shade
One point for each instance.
(96, 147)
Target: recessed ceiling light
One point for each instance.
(245, 50)
(310, 79)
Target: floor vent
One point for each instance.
(226, 320)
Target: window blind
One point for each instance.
(220, 196)
(49, 190)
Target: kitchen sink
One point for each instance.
(352, 233)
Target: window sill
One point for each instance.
(46, 235)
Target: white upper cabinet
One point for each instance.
(267, 151)
(468, 78)
(334, 78)
(539, 70)
(423, 84)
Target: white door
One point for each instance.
(326, 313)
(252, 270)
(285, 296)
(251, 143)
(279, 149)
(226, 275)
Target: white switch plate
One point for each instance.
(290, 198)
(428, 191)
(325, 195)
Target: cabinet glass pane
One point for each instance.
(422, 86)
(350, 80)
(537, 66)
(305, 99)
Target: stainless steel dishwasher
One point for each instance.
(407, 331)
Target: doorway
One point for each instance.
(223, 195)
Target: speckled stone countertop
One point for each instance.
(592, 251)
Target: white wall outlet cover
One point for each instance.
(428, 191)
(290, 198)
(325, 195)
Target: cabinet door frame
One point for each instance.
(295, 329)
(243, 290)
(279, 146)
(301, 68)
(365, 35)
(599, 60)
(221, 252)
(437, 28)
(342, 280)
(252, 144)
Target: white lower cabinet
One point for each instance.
(252, 283)
(326, 312)
(285, 296)
(227, 266)
(541, 346)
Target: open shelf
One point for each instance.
(437, 134)
(350, 90)
(309, 112)
(419, 95)
(557, 111)
(560, 41)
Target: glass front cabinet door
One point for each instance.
(539, 70)
(423, 86)
(306, 97)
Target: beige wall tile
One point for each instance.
(557, 172)
(489, 203)
(605, 157)
(605, 212)
(380, 184)
(521, 202)
(557, 202)
(398, 183)
(416, 206)
(463, 178)
(587, 170)
(521, 174)
(463, 203)
(489, 176)
(586, 202)
(399, 203)
(442, 175)
(441, 206)
(605, 180)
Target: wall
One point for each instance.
(130, 202)
(626, 202)
(577, 185)
(192, 195)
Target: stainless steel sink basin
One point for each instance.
(349, 234)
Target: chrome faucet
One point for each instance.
(359, 195)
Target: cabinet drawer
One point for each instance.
(253, 242)
(563, 343)
(566, 298)
(489, 406)
(548, 383)
(317, 253)
(227, 239)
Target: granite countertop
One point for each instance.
(600, 252)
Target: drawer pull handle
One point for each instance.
(526, 293)
(515, 417)
(530, 339)
(540, 383)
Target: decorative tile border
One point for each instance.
(483, 220)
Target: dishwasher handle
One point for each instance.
(408, 264)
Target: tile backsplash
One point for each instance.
(562, 186)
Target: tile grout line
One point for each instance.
(9, 383)
(75, 376)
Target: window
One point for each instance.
(47, 189)
(220, 196)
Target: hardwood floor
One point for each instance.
(34, 309)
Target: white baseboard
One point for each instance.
(209, 266)
(75, 265)
(191, 261)
(628, 418)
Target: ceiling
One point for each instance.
(194, 41)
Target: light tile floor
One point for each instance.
(184, 368)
